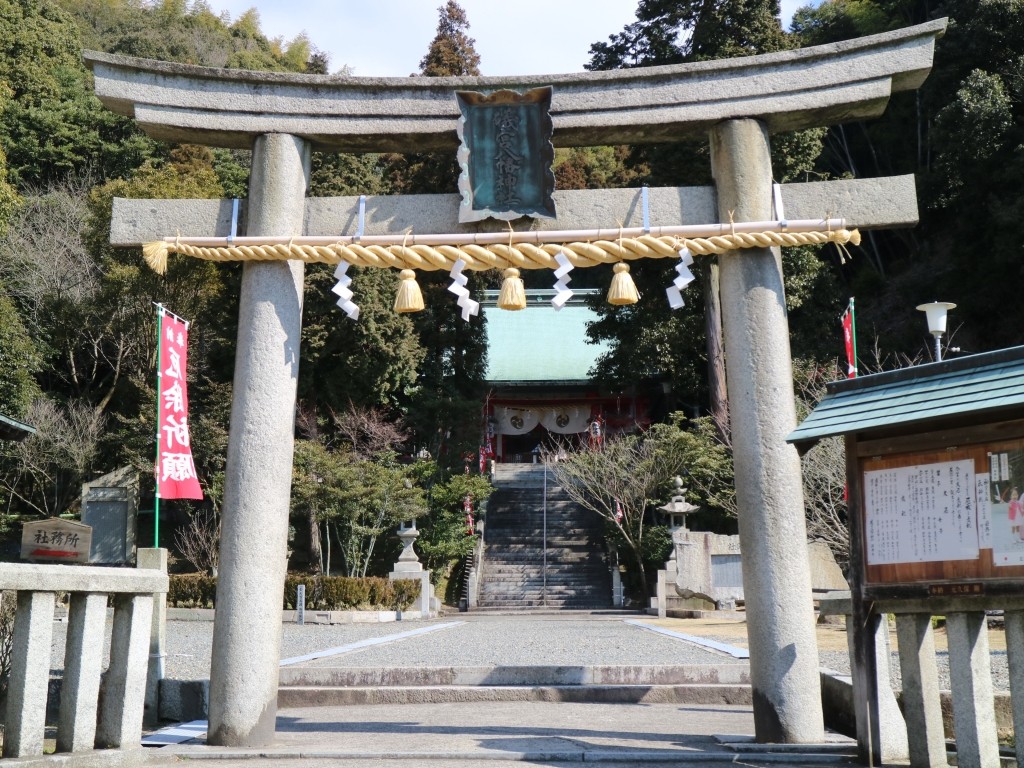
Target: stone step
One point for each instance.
(322, 696)
(734, 673)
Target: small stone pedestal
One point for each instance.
(408, 566)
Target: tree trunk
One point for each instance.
(717, 395)
(316, 551)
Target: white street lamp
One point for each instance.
(935, 312)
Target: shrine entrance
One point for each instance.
(736, 103)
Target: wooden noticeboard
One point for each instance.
(950, 517)
(66, 541)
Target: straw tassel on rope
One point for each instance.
(410, 297)
(622, 290)
(513, 294)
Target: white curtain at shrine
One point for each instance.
(568, 420)
(562, 420)
(516, 421)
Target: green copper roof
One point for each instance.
(973, 384)
(14, 430)
(538, 344)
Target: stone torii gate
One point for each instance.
(738, 102)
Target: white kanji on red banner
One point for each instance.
(175, 470)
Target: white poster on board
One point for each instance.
(921, 514)
(1006, 507)
(984, 499)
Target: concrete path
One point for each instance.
(500, 733)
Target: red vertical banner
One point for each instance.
(175, 470)
(850, 338)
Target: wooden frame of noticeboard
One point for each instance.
(930, 513)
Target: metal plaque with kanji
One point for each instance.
(505, 155)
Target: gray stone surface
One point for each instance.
(123, 694)
(1014, 623)
(921, 706)
(865, 203)
(802, 88)
(75, 578)
(776, 576)
(30, 670)
(155, 559)
(253, 554)
(694, 574)
(974, 714)
(892, 728)
(83, 659)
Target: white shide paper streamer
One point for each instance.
(684, 278)
(562, 286)
(458, 287)
(342, 289)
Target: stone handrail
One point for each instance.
(974, 716)
(90, 715)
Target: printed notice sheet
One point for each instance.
(921, 514)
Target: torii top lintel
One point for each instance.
(789, 90)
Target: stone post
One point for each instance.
(776, 574)
(83, 662)
(921, 705)
(253, 544)
(25, 723)
(970, 678)
(155, 559)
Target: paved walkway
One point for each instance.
(506, 732)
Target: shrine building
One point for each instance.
(540, 391)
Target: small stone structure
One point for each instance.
(409, 567)
(92, 714)
(110, 504)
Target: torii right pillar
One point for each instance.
(776, 575)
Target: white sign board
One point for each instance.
(921, 514)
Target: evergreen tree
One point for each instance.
(672, 32)
(444, 411)
(451, 51)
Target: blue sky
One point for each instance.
(389, 37)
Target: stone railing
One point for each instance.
(91, 715)
(972, 697)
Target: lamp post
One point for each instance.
(935, 312)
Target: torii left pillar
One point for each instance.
(254, 532)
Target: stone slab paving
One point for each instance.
(537, 733)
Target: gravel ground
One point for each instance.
(485, 640)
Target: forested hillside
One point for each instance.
(77, 334)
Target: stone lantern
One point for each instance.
(678, 508)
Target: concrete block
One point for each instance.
(123, 691)
(970, 676)
(83, 661)
(30, 671)
(184, 700)
(921, 704)
(79, 578)
(1014, 623)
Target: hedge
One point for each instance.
(323, 593)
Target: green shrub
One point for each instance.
(191, 590)
(323, 593)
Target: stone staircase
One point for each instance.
(514, 576)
